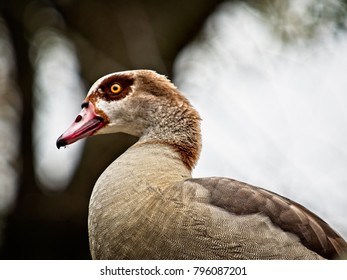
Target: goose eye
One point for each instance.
(116, 88)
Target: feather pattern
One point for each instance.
(244, 199)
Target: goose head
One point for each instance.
(140, 103)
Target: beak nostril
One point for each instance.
(85, 105)
(78, 118)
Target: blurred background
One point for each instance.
(268, 77)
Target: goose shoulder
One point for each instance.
(243, 199)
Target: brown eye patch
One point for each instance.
(112, 88)
(117, 87)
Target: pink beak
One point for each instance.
(85, 124)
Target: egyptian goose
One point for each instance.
(146, 205)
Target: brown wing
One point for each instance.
(242, 199)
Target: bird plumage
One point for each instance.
(146, 205)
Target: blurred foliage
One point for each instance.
(297, 20)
